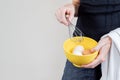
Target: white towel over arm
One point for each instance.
(111, 66)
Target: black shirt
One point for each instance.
(98, 17)
(99, 6)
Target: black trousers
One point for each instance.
(94, 26)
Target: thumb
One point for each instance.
(71, 15)
(93, 50)
(98, 47)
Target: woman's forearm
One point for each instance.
(76, 3)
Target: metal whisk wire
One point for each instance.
(77, 32)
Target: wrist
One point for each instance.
(76, 5)
(108, 39)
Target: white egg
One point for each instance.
(77, 53)
(78, 50)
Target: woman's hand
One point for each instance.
(61, 13)
(103, 48)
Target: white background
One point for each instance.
(31, 40)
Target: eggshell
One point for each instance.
(86, 52)
(77, 53)
(78, 50)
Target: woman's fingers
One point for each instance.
(103, 47)
(92, 64)
(60, 15)
(63, 16)
(71, 13)
(63, 11)
(103, 52)
(101, 43)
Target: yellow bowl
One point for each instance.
(87, 43)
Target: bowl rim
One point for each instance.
(96, 52)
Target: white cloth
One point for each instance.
(111, 66)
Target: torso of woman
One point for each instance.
(98, 17)
(95, 18)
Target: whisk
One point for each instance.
(78, 34)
